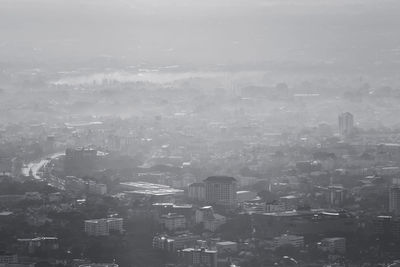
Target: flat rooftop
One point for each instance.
(226, 243)
(144, 185)
(156, 192)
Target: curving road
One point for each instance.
(37, 165)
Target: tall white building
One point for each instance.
(394, 199)
(346, 124)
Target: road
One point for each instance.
(37, 165)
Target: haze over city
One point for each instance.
(214, 133)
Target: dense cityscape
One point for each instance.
(214, 134)
(182, 189)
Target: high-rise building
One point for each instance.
(221, 190)
(394, 199)
(197, 192)
(336, 195)
(346, 124)
(387, 227)
(197, 257)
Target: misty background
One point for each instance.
(356, 34)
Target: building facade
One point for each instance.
(346, 124)
(198, 257)
(196, 191)
(394, 199)
(333, 245)
(293, 240)
(173, 221)
(175, 242)
(221, 190)
(102, 227)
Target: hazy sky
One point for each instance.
(200, 32)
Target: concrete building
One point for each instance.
(173, 221)
(210, 220)
(102, 227)
(293, 240)
(197, 191)
(305, 222)
(394, 199)
(289, 202)
(221, 190)
(226, 247)
(97, 189)
(213, 224)
(337, 195)
(198, 257)
(333, 245)
(99, 265)
(388, 152)
(175, 242)
(38, 244)
(346, 124)
(159, 209)
(5, 165)
(115, 224)
(274, 206)
(152, 192)
(8, 257)
(387, 227)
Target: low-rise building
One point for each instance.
(97, 189)
(8, 257)
(333, 245)
(38, 244)
(175, 242)
(210, 220)
(173, 221)
(102, 227)
(198, 257)
(99, 265)
(226, 247)
(293, 240)
(243, 196)
(54, 197)
(274, 206)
